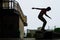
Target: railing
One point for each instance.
(12, 4)
(9, 4)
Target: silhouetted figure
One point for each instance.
(40, 16)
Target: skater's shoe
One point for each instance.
(43, 30)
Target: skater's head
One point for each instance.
(48, 8)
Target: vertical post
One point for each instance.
(54, 27)
(48, 27)
(1, 4)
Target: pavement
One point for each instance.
(39, 39)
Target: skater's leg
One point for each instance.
(44, 22)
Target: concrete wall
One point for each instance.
(21, 28)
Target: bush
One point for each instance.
(57, 29)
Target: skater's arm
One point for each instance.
(38, 8)
(48, 16)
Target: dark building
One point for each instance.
(11, 19)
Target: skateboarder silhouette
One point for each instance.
(40, 16)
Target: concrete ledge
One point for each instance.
(29, 38)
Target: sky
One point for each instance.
(32, 15)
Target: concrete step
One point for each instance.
(29, 38)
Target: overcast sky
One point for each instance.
(32, 15)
